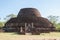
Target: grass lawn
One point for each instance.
(13, 36)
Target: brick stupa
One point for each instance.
(29, 20)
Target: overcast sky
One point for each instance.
(46, 7)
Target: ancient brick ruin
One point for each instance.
(29, 20)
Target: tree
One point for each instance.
(1, 24)
(10, 16)
(58, 27)
(53, 19)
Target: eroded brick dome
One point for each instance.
(29, 12)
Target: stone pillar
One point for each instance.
(21, 29)
(25, 27)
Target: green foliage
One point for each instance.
(58, 26)
(54, 20)
(6, 19)
(1, 24)
(10, 16)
